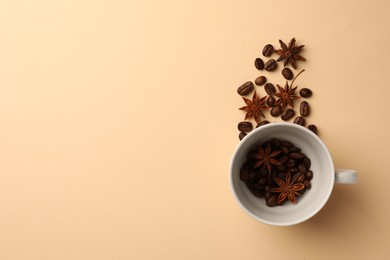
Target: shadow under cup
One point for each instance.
(311, 201)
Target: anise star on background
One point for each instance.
(290, 54)
(254, 107)
(287, 189)
(266, 158)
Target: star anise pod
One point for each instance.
(287, 189)
(254, 107)
(266, 158)
(290, 54)
(287, 95)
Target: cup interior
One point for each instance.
(311, 201)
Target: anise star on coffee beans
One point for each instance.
(287, 189)
(266, 158)
(287, 95)
(289, 54)
(255, 107)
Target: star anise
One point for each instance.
(287, 189)
(287, 95)
(254, 107)
(266, 158)
(290, 54)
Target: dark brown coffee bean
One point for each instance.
(262, 181)
(271, 101)
(300, 121)
(295, 149)
(268, 50)
(272, 200)
(276, 111)
(270, 65)
(304, 108)
(306, 161)
(259, 64)
(298, 177)
(307, 184)
(258, 192)
(301, 168)
(287, 73)
(263, 172)
(245, 126)
(241, 135)
(280, 168)
(244, 172)
(245, 88)
(264, 122)
(313, 128)
(305, 93)
(284, 149)
(282, 175)
(260, 81)
(288, 114)
(296, 155)
(283, 159)
(270, 88)
(309, 175)
(290, 163)
(288, 144)
(294, 170)
(275, 143)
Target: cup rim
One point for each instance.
(298, 220)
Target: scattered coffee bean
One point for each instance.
(313, 128)
(300, 121)
(270, 65)
(268, 50)
(288, 114)
(276, 111)
(270, 88)
(242, 135)
(245, 126)
(287, 73)
(260, 81)
(309, 175)
(259, 64)
(305, 93)
(245, 88)
(304, 108)
(264, 122)
(271, 101)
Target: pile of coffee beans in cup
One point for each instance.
(277, 171)
(279, 100)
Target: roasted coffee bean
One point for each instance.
(283, 159)
(288, 144)
(280, 168)
(313, 128)
(287, 73)
(296, 155)
(299, 177)
(259, 64)
(295, 149)
(271, 101)
(241, 135)
(305, 93)
(301, 168)
(304, 108)
(284, 149)
(275, 142)
(263, 172)
(244, 172)
(258, 192)
(290, 163)
(245, 126)
(294, 170)
(288, 114)
(270, 65)
(262, 181)
(307, 184)
(282, 175)
(245, 88)
(264, 122)
(309, 175)
(260, 81)
(269, 88)
(272, 201)
(306, 161)
(276, 111)
(300, 121)
(268, 50)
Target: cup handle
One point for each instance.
(346, 176)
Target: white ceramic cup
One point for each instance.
(313, 199)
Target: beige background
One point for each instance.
(118, 121)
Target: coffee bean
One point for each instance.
(282, 175)
(262, 181)
(305, 93)
(271, 101)
(290, 163)
(242, 135)
(313, 128)
(288, 144)
(309, 175)
(287, 73)
(245, 88)
(296, 155)
(302, 168)
(272, 201)
(288, 114)
(245, 126)
(268, 50)
(283, 159)
(304, 108)
(259, 64)
(306, 161)
(280, 168)
(270, 88)
(284, 149)
(294, 170)
(299, 177)
(244, 172)
(276, 111)
(307, 184)
(260, 81)
(300, 121)
(275, 143)
(270, 65)
(261, 123)
(295, 150)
